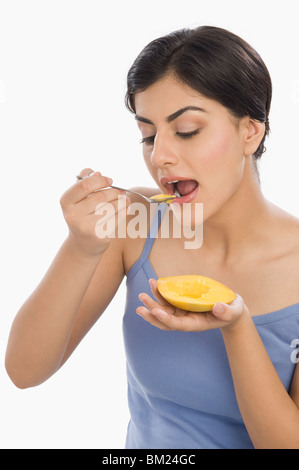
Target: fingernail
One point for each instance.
(110, 180)
(219, 308)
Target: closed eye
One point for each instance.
(187, 135)
(184, 135)
(148, 140)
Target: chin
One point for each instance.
(188, 215)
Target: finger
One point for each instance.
(71, 194)
(95, 203)
(156, 293)
(93, 183)
(104, 229)
(170, 321)
(187, 322)
(115, 205)
(152, 319)
(151, 303)
(85, 187)
(86, 172)
(228, 312)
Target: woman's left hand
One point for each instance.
(165, 316)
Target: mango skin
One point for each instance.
(194, 293)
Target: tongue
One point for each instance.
(185, 187)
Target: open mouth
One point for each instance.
(184, 189)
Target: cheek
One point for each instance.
(221, 154)
(147, 161)
(150, 168)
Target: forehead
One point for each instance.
(168, 95)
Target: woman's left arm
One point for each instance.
(270, 414)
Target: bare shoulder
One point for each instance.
(288, 217)
(288, 230)
(292, 250)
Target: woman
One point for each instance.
(225, 378)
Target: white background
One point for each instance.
(63, 68)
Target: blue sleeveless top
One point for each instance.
(180, 388)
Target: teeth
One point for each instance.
(177, 194)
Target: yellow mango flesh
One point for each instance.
(163, 196)
(194, 293)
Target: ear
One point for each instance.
(254, 133)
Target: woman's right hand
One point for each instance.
(80, 205)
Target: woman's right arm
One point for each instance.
(80, 283)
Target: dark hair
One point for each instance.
(215, 62)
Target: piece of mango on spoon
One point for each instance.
(157, 197)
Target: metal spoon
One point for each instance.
(148, 199)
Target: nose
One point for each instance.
(163, 152)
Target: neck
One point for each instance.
(231, 233)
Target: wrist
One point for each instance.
(77, 251)
(239, 325)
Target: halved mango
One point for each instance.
(194, 293)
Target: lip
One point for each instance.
(179, 200)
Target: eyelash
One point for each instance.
(185, 135)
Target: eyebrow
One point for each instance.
(173, 116)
